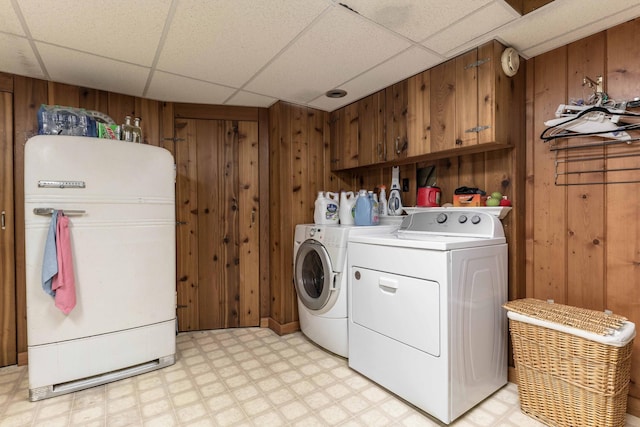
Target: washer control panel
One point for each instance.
(453, 223)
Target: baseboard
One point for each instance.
(633, 406)
(283, 329)
(512, 377)
(264, 322)
(23, 359)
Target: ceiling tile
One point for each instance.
(415, 19)
(400, 67)
(230, 40)
(169, 87)
(248, 99)
(17, 57)
(453, 39)
(122, 29)
(336, 48)
(83, 69)
(564, 21)
(9, 22)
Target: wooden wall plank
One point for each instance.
(63, 94)
(265, 203)
(8, 331)
(585, 210)
(249, 224)
(230, 281)
(549, 221)
(28, 95)
(6, 82)
(276, 113)
(212, 255)
(622, 210)
(187, 230)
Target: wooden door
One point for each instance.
(218, 222)
(8, 350)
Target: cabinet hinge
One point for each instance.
(174, 139)
(478, 129)
(478, 63)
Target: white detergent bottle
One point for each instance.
(326, 209)
(333, 207)
(347, 203)
(384, 209)
(320, 211)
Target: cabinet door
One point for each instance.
(466, 96)
(371, 148)
(443, 106)
(344, 137)
(419, 114)
(396, 120)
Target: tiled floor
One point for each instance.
(242, 377)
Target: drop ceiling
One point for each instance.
(255, 52)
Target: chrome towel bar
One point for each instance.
(49, 211)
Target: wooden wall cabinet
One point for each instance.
(372, 130)
(471, 98)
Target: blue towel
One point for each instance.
(50, 261)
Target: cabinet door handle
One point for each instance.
(398, 145)
(3, 223)
(253, 216)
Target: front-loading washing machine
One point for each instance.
(320, 278)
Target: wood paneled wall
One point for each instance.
(299, 168)
(583, 241)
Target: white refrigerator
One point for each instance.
(119, 198)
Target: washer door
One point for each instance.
(313, 275)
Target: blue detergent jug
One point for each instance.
(363, 209)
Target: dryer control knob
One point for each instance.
(462, 219)
(475, 219)
(441, 218)
(312, 232)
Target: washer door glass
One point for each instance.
(313, 275)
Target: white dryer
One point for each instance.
(319, 275)
(425, 315)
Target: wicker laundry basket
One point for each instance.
(573, 364)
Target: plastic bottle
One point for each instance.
(362, 215)
(347, 204)
(375, 215)
(382, 206)
(326, 210)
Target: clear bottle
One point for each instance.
(127, 130)
(137, 130)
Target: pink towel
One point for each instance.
(64, 283)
